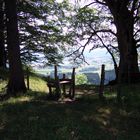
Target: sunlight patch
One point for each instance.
(20, 99)
(23, 99)
(104, 110)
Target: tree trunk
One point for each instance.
(2, 48)
(124, 22)
(16, 82)
(127, 47)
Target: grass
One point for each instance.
(33, 117)
(37, 83)
(43, 120)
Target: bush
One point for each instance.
(81, 79)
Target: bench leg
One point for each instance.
(50, 90)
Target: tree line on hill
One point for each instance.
(32, 29)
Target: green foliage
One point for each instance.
(86, 16)
(41, 30)
(81, 79)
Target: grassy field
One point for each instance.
(33, 117)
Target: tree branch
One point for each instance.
(88, 41)
(102, 3)
(138, 46)
(82, 48)
(106, 31)
(137, 17)
(103, 30)
(134, 6)
(109, 51)
(138, 40)
(95, 2)
(113, 58)
(137, 32)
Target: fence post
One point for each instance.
(58, 89)
(73, 83)
(55, 72)
(64, 87)
(101, 88)
(28, 82)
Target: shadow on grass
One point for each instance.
(32, 117)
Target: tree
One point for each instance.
(126, 15)
(16, 78)
(41, 31)
(123, 18)
(81, 79)
(2, 47)
(88, 28)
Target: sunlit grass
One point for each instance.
(19, 99)
(3, 84)
(37, 84)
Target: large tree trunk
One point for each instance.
(124, 22)
(2, 48)
(16, 80)
(127, 46)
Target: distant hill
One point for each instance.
(93, 78)
(87, 69)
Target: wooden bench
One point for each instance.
(60, 84)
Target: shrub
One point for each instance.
(81, 79)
